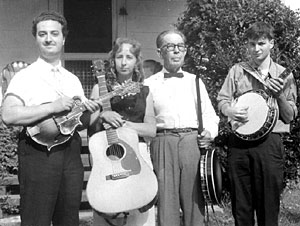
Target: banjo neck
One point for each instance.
(286, 72)
(252, 71)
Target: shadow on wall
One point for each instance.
(151, 67)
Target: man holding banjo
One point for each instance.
(256, 152)
(175, 150)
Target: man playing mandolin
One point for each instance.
(50, 180)
(255, 164)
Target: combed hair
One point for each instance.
(260, 30)
(50, 15)
(160, 37)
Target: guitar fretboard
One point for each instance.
(103, 92)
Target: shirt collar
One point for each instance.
(272, 68)
(164, 70)
(49, 67)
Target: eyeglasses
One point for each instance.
(171, 47)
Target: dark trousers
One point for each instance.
(50, 183)
(176, 163)
(256, 177)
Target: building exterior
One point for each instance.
(98, 23)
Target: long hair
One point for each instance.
(138, 73)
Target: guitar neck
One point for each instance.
(104, 94)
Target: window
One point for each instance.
(90, 26)
(82, 69)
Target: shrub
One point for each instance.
(8, 160)
(8, 150)
(215, 30)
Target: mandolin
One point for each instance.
(58, 129)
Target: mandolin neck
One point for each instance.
(104, 99)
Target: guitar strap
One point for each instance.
(247, 67)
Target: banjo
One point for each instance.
(211, 177)
(210, 167)
(263, 111)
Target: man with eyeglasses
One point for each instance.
(175, 152)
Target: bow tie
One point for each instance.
(170, 75)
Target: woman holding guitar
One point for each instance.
(134, 112)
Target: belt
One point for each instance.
(177, 130)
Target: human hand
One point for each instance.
(62, 104)
(276, 86)
(112, 118)
(92, 105)
(204, 140)
(239, 114)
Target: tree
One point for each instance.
(215, 31)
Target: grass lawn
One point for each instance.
(289, 211)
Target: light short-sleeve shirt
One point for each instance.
(41, 83)
(175, 102)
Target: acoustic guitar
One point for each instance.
(60, 128)
(120, 179)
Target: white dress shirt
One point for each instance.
(41, 83)
(175, 102)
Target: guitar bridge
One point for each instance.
(118, 176)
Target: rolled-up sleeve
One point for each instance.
(226, 94)
(291, 93)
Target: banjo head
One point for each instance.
(261, 116)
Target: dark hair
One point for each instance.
(138, 73)
(260, 30)
(160, 37)
(50, 15)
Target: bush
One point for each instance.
(8, 150)
(8, 160)
(215, 30)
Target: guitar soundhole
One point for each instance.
(115, 152)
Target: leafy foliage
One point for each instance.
(8, 160)
(8, 150)
(215, 31)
